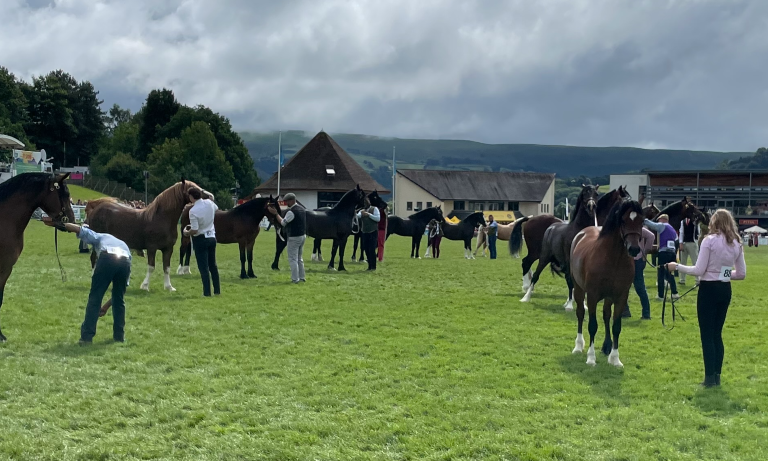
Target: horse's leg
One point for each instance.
(3, 278)
(319, 246)
(618, 309)
(279, 247)
(249, 255)
(355, 242)
(607, 345)
(93, 261)
(182, 253)
(342, 248)
(167, 254)
(569, 303)
(468, 244)
(578, 295)
(543, 261)
(150, 268)
(592, 306)
(243, 274)
(334, 248)
(187, 256)
(527, 265)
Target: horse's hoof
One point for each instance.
(606, 349)
(180, 270)
(275, 268)
(3, 339)
(171, 289)
(332, 269)
(252, 276)
(145, 286)
(591, 362)
(243, 276)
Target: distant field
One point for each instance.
(81, 193)
(422, 360)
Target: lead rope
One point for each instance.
(56, 246)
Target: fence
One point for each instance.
(111, 188)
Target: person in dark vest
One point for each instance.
(667, 253)
(295, 223)
(689, 244)
(369, 230)
(113, 266)
(493, 228)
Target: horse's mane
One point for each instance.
(251, 206)
(167, 198)
(672, 209)
(422, 213)
(473, 216)
(614, 217)
(21, 182)
(337, 207)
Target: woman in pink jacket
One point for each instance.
(721, 260)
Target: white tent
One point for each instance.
(9, 142)
(756, 230)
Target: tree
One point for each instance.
(13, 106)
(116, 117)
(125, 169)
(159, 109)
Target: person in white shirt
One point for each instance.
(203, 233)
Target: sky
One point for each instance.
(683, 74)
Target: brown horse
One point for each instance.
(239, 225)
(20, 196)
(152, 228)
(603, 267)
(504, 232)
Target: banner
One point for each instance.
(747, 222)
(26, 161)
(79, 212)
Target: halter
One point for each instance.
(355, 224)
(593, 203)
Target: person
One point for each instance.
(493, 228)
(429, 242)
(436, 236)
(203, 233)
(382, 237)
(113, 266)
(667, 253)
(369, 232)
(720, 261)
(689, 244)
(639, 281)
(295, 223)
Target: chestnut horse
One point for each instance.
(503, 232)
(20, 196)
(152, 228)
(239, 225)
(603, 268)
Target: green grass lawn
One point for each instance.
(424, 359)
(81, 193)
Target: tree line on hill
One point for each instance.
(757, 161)
(57, 113)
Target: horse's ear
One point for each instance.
(583, 185)
(62, 177)
(597, 186)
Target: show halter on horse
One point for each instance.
(414, 226)
(152, 228)
(20, 196)
(556, 243)
(602, 267)
(239, 225)
(464, 231)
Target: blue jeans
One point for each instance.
(109, 270)
(492, 245)
(639, 283)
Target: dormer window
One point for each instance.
(330, 171)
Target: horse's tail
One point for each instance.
(556, 269)
(516, 238)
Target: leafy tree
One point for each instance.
(159, 109)
(13, 106)
(125, 169)
(116, 117)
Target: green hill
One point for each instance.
(375, 154)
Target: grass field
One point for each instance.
(81, 193)
(424, 359)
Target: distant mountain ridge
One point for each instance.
(375, 154)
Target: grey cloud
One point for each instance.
(680, 74)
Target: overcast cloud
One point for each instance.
(678, 74)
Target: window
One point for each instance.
(513, 206)
(409, 206)
(418, 206)
(477, 206)
(496, 206)
(429, 204)
(328, 199)
(459, 205)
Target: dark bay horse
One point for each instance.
(152, 228)
(414, 226)
(20, 196)
(239, 225)
(535, 228)
(603, 267)
(464, 231)
(681, 210)
(556, 244)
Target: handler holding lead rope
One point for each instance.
(721, 250)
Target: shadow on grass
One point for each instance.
(76, 350)
(604, 379)
(716, 402)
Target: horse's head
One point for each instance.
(271, 210)
(626, 218)
(651, 211)
(624, 194)
(360, 197)
(588, 198)
(55, 200)
(376, 201)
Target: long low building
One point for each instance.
(461, 192)
(743, 192)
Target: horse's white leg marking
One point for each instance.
(527, 296)
(527, 280)
(180, 270)
(314, 256)
(591, 355)
(517, 255)
(187, 270)
(167, 276)
(569, 304)
(145, 283)
(613, 359)
(579, 344)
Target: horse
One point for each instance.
(556, 244)
(650, 212)
(414, 226)
(504, 232)
(239, 225)
(20, 196)
(464, 230)
(681, 210)
(376, 201)
(152, 228)
(603, 268)
(535, 227)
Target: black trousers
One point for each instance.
(370, 242)
(712, 307)
(109, 269)
(205, 254)
(663, 274)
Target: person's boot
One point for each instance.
(709, 381)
